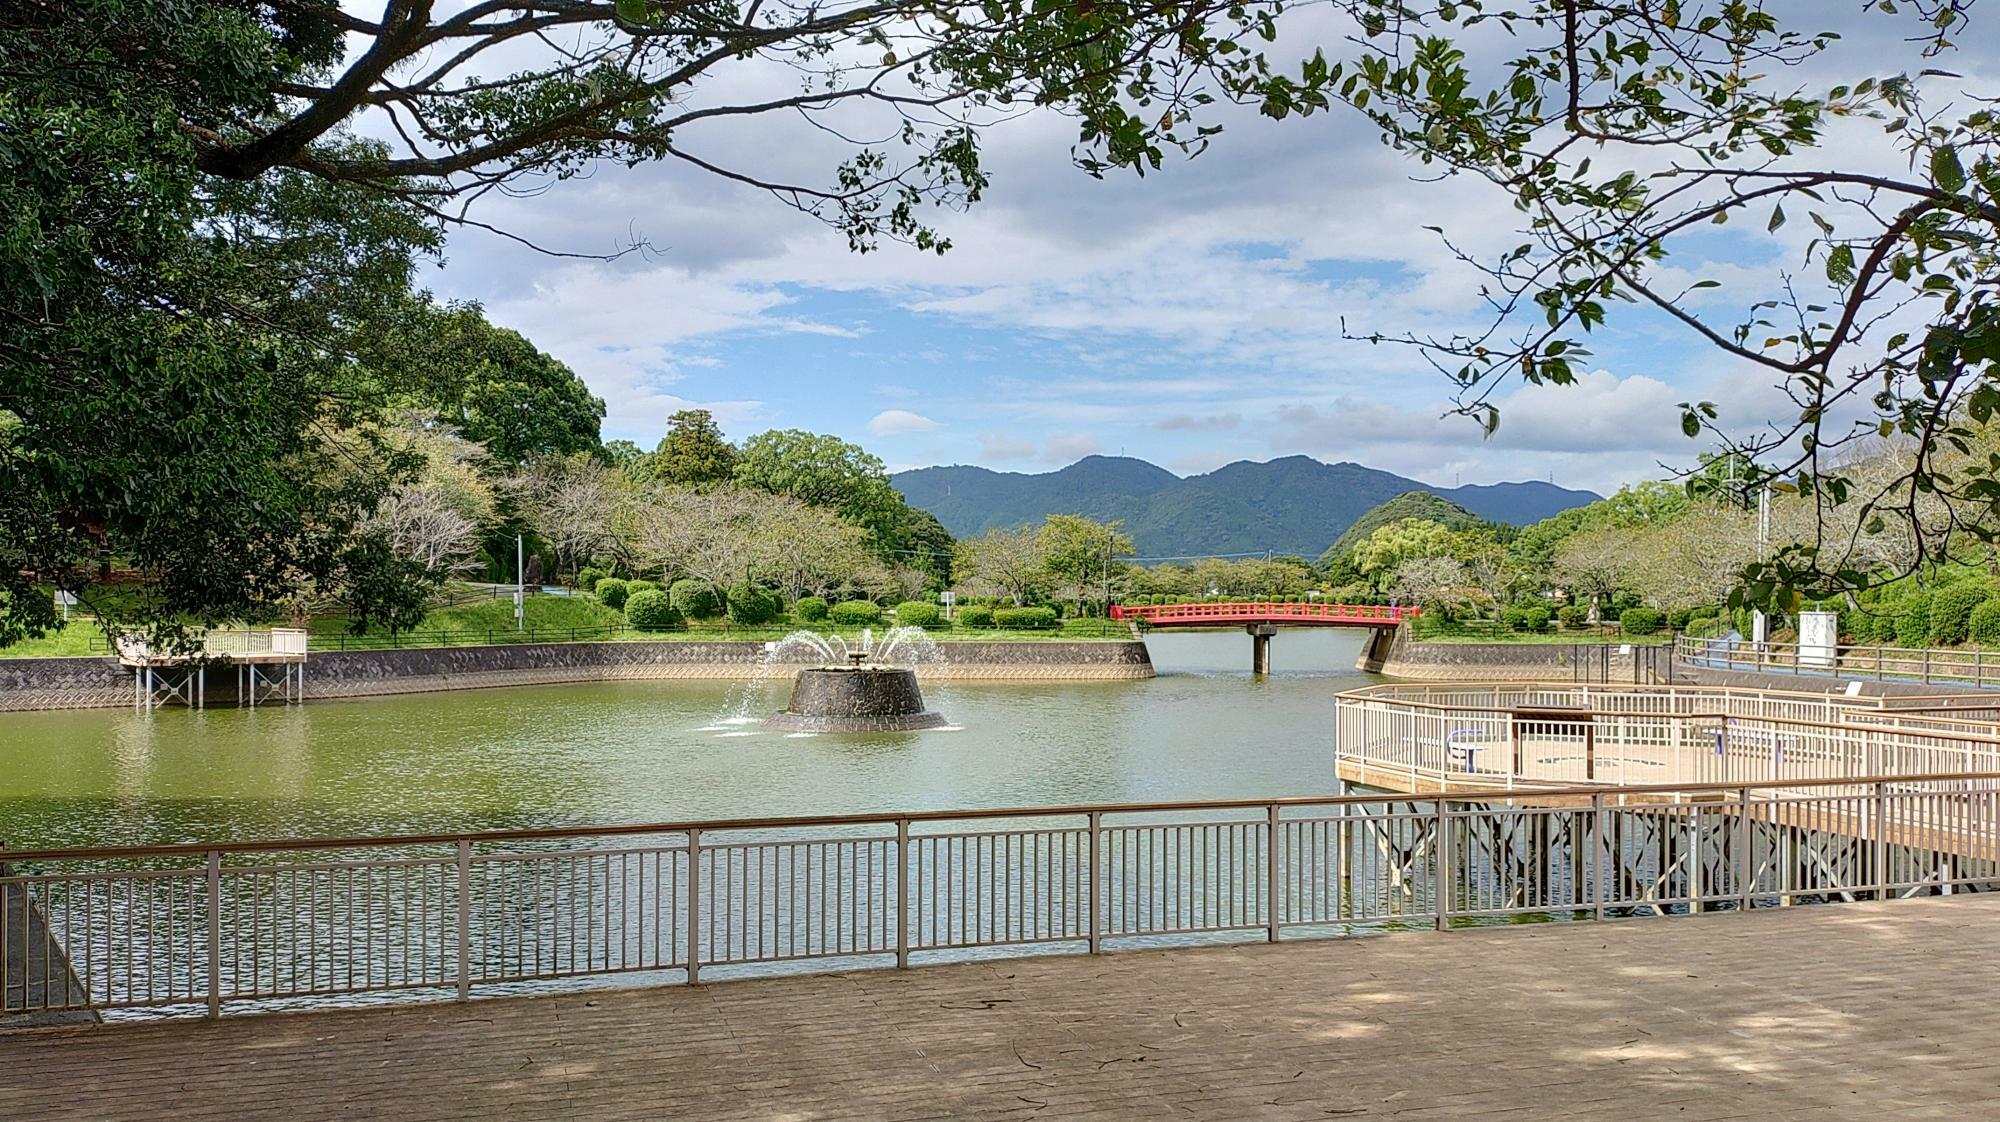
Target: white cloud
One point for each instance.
(1001, 448)
(897, 422)
(1065, 448)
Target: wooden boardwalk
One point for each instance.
(1860, 1011)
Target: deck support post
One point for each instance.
(1260, 647)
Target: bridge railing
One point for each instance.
(1936, 666)
(1266, 610)
(193, 929)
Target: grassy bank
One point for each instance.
(1430, 630)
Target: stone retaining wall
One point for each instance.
(82, 683)
(1502, 662)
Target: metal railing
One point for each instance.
(1539, 736)
(1975, 668)
(199, 929)
(1259, 611)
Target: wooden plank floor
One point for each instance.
(1863, 1011)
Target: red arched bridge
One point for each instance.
(1263, 618)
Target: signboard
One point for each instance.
(1819, 638)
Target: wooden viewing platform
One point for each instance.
(1870, 1011)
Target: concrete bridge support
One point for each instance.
(1260, 646)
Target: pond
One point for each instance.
(662, 751)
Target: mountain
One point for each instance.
(1295, 504)
(1409, 504)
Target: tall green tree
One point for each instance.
(693, 453)
(1082, 553)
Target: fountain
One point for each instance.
(857, 690)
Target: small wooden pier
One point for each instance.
(270, 665)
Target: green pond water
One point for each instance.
(657, 751)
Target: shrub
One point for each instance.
(1622, 600)
(1641, 621)
(588, 576)
(1025, 619)
(810, 609)
(1525, 617)
(917, 613)
(649, 609)
(1951, 612)
(612, 592)
(1984, 626)
(978, 615)
(1913, 627)
(695, 599)
(1574, 615)
(750, 605)
(1677, 620)
(855, 612)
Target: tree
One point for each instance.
(1081, 552)
(572, 502)
(1626, 132)
(693, 452)
(1008, 560)
(825, 471)
(1434, 583)
(435, 519)
(1693, 561)
(1593, 564)
(1379, 555)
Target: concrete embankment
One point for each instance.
(88, 683)
(1396, 655)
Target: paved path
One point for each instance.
(1866, 1011)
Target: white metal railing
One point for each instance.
(1504, 736)
(1932, 665)
(193, 929)
(222, 641)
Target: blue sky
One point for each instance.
(1192, 318)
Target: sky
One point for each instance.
(1193, 317)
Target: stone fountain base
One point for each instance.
(855, 699)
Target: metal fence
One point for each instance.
(191, 929)
(1938, 666)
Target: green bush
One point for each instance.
(1526, 617)
(918, 613)
(1913, 627)
(751, 606)
(1025, 619)
(1573, 615)
(1623, 600)
(1951, 612)
(632, 586)
(855, 612)
(695, 599)
(810, 609)
(612, 592)
(1984, 626)
(1677, 620)
(649, 609)
(977, 615)
(1641, 621)
(588, 576)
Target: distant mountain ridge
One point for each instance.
(1294, 504)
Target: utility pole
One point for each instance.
(1760, 625)
(520, 587)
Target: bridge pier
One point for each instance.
(1260, 646)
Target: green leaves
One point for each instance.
(1946, 171)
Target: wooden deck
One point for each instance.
(1860, 1011)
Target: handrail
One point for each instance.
(1232, 611)
(1920, 664)
(1078, 810)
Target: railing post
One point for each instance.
(1881, 846)
(694, 905)
(464, 919)
(1091, 903)
(1271, 879)
(1746, 868)
(902, 892)
(1441, 887)
(1597, 855)
(214, 880)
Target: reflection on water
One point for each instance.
(655, 751)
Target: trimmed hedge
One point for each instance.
(1913, 627)
(1526, 618)
(612, 592)
(1984, 626)
(588, 576)
(1574, 615)
(1026, 619)
(1951, 612)
(649, 609)
(810, 609)
(1641, 621)
(918, 613)
(695, 599)
(854, 612)
(977, 615)
(750, 605)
